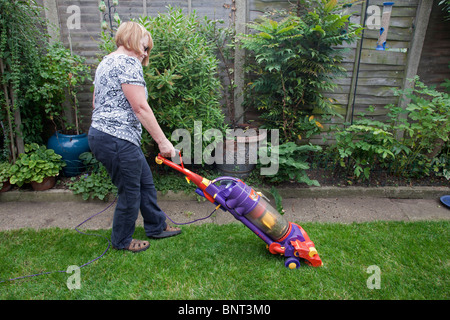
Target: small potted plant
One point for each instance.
(5, 185)
(38, 166)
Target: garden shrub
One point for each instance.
(426, 129)
(412, 142)
(61, 73)
(293, 163)
(22, 44)
(36, 75)
(182, 76)
(296, 59)
(363, 145)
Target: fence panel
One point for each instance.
(370, 73)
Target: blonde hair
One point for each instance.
(129, 35)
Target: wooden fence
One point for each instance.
(371, 74)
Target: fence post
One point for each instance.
(239, 76)
(51, 14)
(144, 8)
(189, 4)
(415, 50)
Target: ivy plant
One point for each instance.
(21, 42)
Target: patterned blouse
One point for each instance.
(113, 113)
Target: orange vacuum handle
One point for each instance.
(198, 180)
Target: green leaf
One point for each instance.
(265, 35)
(319, 29)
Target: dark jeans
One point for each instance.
(130, 173)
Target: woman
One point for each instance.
(120, 110)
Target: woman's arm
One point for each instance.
(135, 94)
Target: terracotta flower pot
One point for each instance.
(46, 184)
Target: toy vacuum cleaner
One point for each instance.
(250, 208)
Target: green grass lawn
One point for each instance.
(229, 262)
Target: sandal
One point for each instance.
(138, 246)
(168, 232)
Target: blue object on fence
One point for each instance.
(386, 17)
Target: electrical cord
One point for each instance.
(97, 235)
(189, 222)
(84, 265)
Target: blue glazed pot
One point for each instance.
(70, 147)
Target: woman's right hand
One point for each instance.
(166, 148)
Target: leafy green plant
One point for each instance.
(441, 164)
(35, 76)
(94, 184)
(4, 172)
(293, 163)
(362, 145)
(428, 113)
(310, 126)
(182, 76)
(295, 61)
(409, 143)
(35, 164)
(422, 130)
(445, 7)
(61, 74)
(21, 42)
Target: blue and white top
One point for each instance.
(113, 113)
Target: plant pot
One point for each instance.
(6, 186)
(46, 184)
(240, 154)
(70, 147)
